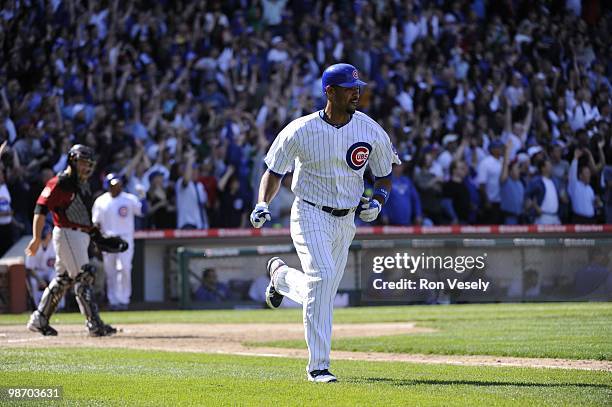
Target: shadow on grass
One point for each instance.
(415, 382)
(123, 336)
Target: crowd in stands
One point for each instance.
(500, 111)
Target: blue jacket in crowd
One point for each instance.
(404, 203)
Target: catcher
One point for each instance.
(69, 199)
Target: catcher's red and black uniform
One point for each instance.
(69, 201)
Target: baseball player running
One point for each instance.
(113, 212)
(69, 198)
(330, 150)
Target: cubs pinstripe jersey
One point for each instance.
(329, 162)
(116, 215)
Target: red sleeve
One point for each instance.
(51, 195)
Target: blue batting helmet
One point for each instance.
(113, 179)
(344, 75)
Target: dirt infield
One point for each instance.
(233, 338)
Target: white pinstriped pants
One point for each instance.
(322, 242)
(118, 270)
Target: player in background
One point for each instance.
(68, 197)
(329, 150)
(113, 213)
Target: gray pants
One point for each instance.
(71, 250)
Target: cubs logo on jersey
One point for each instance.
(357, 155)
(51, 262)
(123, 211)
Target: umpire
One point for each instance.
(69, 199)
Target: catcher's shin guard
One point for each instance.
(39, 320)
(84, 295)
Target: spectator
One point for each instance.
(211, 290)
(594, 280)
(516, 132)
(474, 153)
(428, 181)
(210, 183)
(559, 174)
(232, 204)
(583, 112)
(456, 191)
(190, 197)
(580, 191)
(160, 201)
(18, 200)
(403, 208)
(449, 142)
(489, 172)
(206, 76)
(272, 11)
(29, 148)
(257, 289)
(512, 191)
(6, 211)
(606, 184)
(544, 195)
(135, 173)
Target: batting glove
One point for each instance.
(260, 215)
(369, 209)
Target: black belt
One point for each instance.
(76, 229)
(330, 210)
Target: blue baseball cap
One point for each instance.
(345, 75)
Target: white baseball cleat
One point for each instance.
(322, 376)
(273, 297)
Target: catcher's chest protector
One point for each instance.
(79, 209)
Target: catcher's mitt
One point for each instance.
(109, 244)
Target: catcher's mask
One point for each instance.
(83, 157)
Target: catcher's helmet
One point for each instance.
(344, 75)
(80, 152)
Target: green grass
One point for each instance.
(570, 331)
(556, 330)
(127, 377)
(414, 313)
